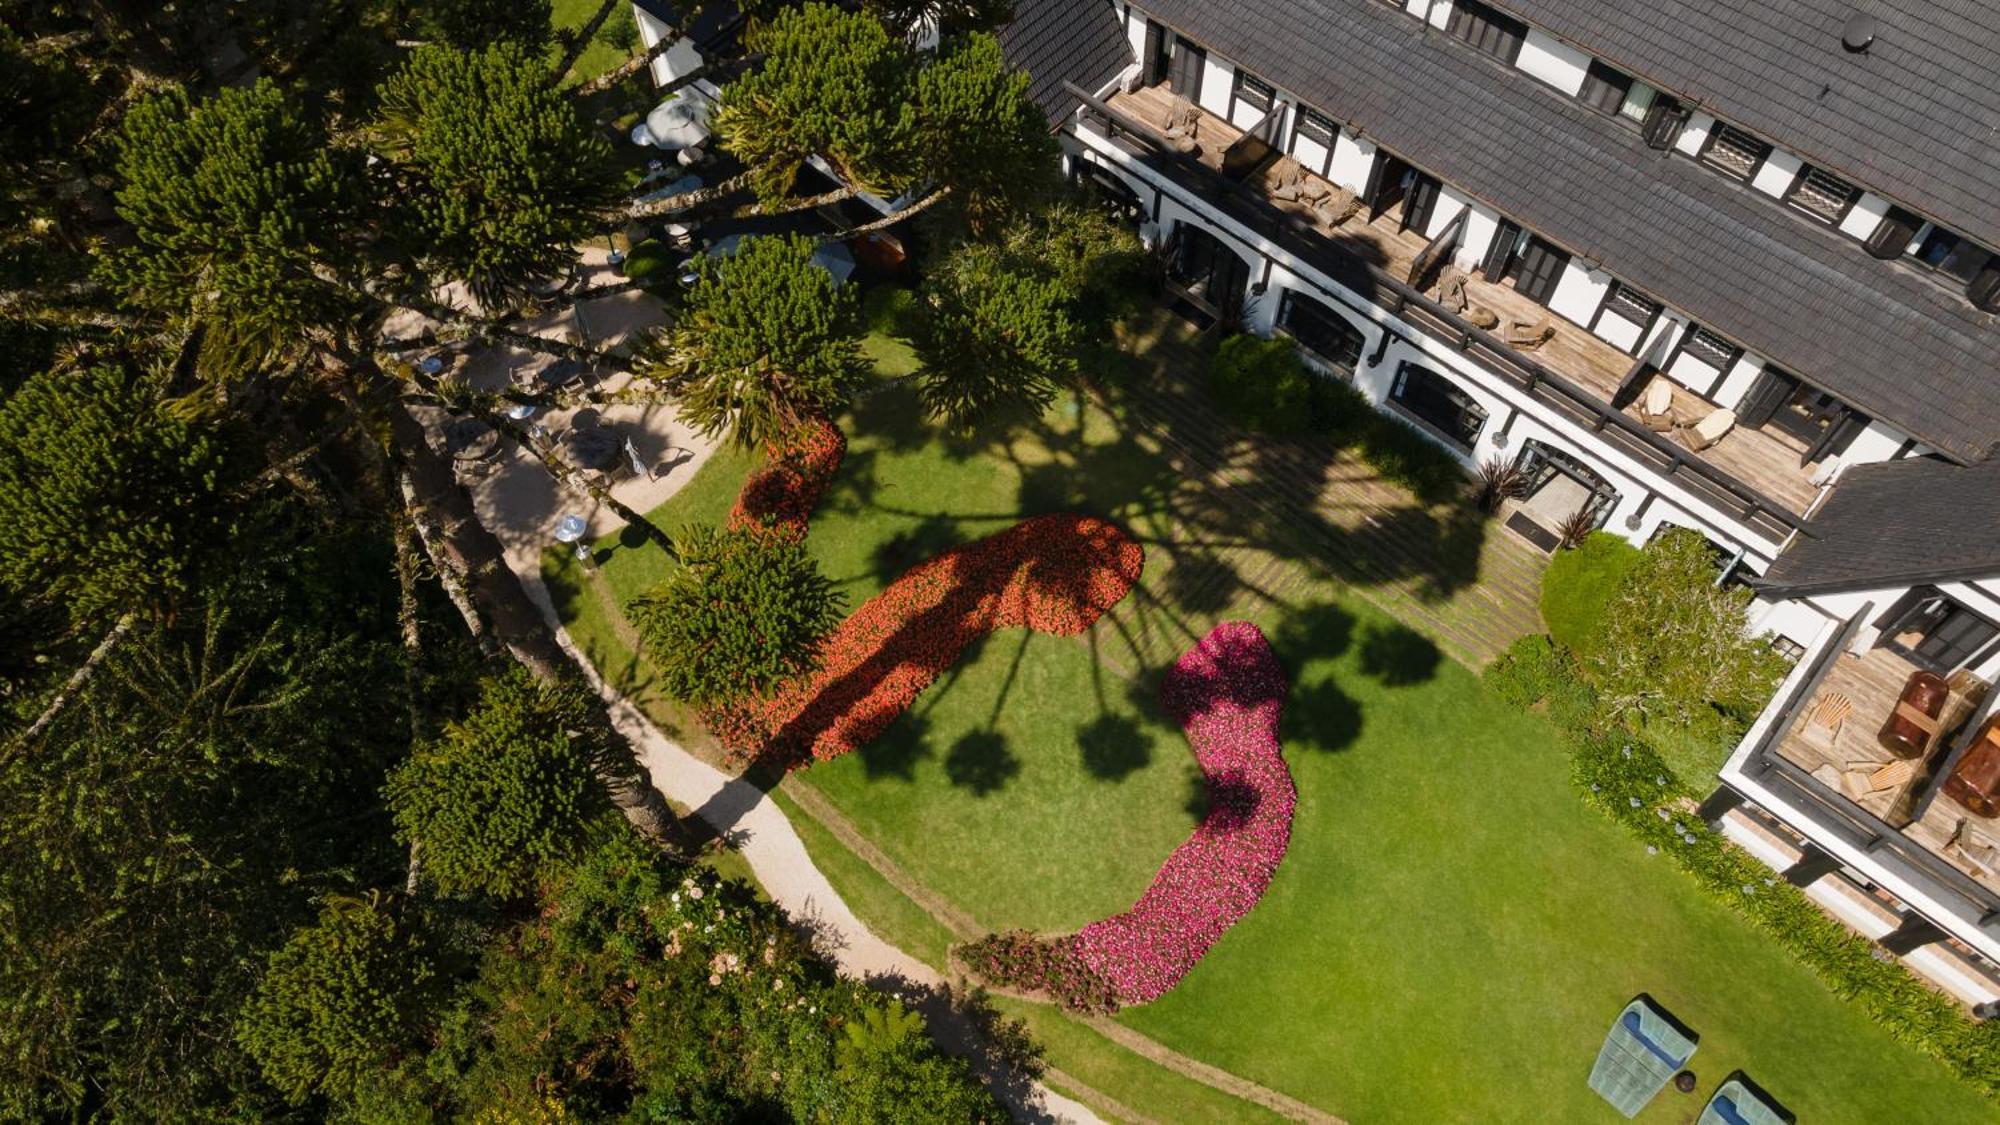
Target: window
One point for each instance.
(1631, 304)
(1822, 194)
(1951, 253)
(1253, 92)
(1733, 152)
(1318, 128)
(1665, 118)
(1487, 30)
(1437, 401)
(1321, 331)
(1711, 349)
(1605, 88)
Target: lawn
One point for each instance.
(1453, 928)
(614, 42)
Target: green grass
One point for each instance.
(874, 900)
(605, 50)
(1453, 929)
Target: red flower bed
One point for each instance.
(1227, 693)
(781, 496)
(1054, 574)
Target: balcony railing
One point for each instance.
(1205, 186)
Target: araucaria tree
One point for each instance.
(766, 340)
(743, 612)
(343, 998)
(505, 790)
(1002, 323)
(500, 173)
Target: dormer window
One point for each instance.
(1605, 88)
(1488, 30)
(1822, 194)
(1951, 253)
(1733, 152)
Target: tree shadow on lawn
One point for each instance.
(1318, 714)
(981, 763)
(1113, 747)
(1398, 656)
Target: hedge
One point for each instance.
(1579, 584)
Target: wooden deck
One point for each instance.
(1765, 459)
(1874, 682)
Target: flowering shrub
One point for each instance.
(781, 496)
(1227, 693)
(1053, 574)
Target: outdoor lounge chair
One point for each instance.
(1288, 181)
(1713, 427)
(1529, 335)
(1182, 126)
(1656, 410)
(1737, 1103)
(1451, 289)
(1643, 1051)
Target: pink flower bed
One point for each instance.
(1227, 693)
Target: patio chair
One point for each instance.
(1451, 289)
(1335, 205)
(1736, 1102)
(1656, 410)
(1288, 181)
(1641, 1054)
(1713, 427)
(1182, 125)
(1529, 335)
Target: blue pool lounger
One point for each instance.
(1737, 1104)
(1641, 1054)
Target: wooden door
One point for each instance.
(1184, 77)
(1500, 252)
(1421, 202)
(1540, 270)
(1159, 54)
(1386, 181)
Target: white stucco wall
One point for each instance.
(1353, 157)
(1217, 78)
(1776, 176)
(1865, 215)
(1738, 381)
(1579, 292)
(1553, 61)
(1695, 134)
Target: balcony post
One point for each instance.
(1916, 932)
(1813, 865)
(1718, 805)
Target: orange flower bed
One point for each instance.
(1053, 574)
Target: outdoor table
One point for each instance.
(594, 448)
(554, 377)
(470, 439)
(431, 364)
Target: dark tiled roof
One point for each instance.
(1897, 523)
(1058, 41)
(1916, 117)
(1891, 343)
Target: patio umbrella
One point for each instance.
(681, 121)
(591, 448)
(836, 259)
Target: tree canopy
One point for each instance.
(501, 175)
(110, 502)
(766, 339)
(743, 612)
(506, 789)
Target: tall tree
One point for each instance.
(343, 998)
(111, 503)
(978, 135)
(833, 84)
(947, 17)
(475, 24)
(743, 612)
(766, 340)
(505, 791)
(501, 174)
(242, 217)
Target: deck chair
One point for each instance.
(1288, 181)
(1451, 289)
(1334, 205)
(1709, 430)
(1641, 1054)
(1736, 1103)
(1182, 126)
(1529, 335)
(1656, 410)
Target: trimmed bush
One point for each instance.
(1579, 585)
(1263, 385)
(650, 261)
(1536, 671)
(1407, 456)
